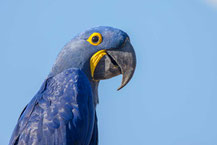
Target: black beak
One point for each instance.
(117, 61)
(125, 58)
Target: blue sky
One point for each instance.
(172, 98)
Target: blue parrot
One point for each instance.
(63, 112)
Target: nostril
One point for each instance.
(125, 41)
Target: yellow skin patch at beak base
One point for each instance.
(94, 60)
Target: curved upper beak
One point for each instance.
(105, 64)
(125, 59)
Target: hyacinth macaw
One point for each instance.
(63, 110)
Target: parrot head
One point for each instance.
(101, 52)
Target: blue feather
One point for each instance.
(62, 112)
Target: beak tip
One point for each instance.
(119, 88)
(122, 85)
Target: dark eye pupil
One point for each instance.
(95, 39)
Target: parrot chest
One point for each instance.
(62, 112)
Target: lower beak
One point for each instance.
(116, 61)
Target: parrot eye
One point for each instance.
(95, 39)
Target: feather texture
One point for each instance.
(61, 113)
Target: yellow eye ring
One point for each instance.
(95, 39)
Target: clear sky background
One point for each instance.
(172, 98)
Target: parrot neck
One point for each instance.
(94, 84)
(73, 56)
